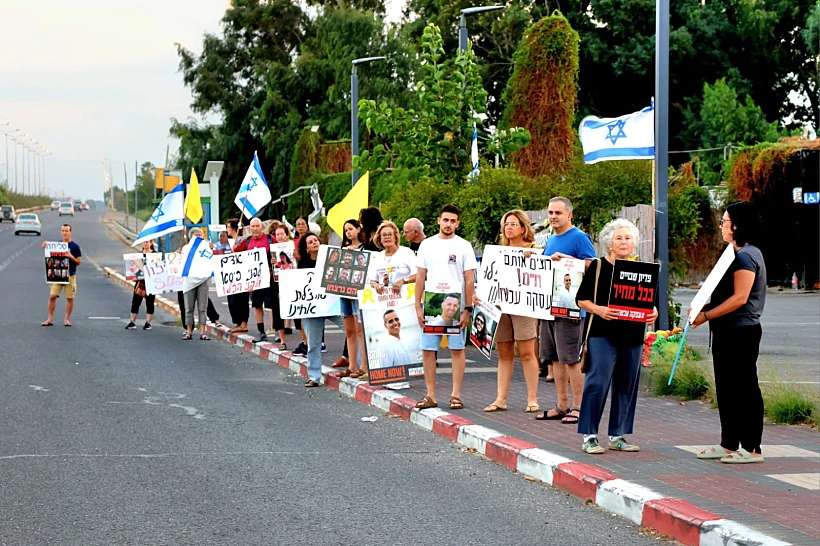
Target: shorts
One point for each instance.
(350, 308)
(70, 288)
(561, 340)
(516, 328)
(261, 298)
(431, 342)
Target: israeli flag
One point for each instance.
(474, 154)
(167, 218)
(198, 259)
(253, 193)
(611, 139)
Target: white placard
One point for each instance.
(57, 263)
(705, 292)
(134, 263)
(241, 272)
(518, 285)
(300, 296)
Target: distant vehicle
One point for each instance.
(66, 208)
(55, 205)
(7, 213)
(78, 206)
(27, 223)
(84, 206)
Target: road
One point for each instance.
(110, 436)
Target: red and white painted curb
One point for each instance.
(676, 518)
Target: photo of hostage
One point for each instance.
(347, 258)
(344, 275)
(447, 313)
(395, 352)
(333, 258)
(479, 334)
(330, 274)
(563, 294)
(357, 277)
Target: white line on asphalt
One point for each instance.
(103, 318)
(94, 263)
(38, 388)
(11, 258)
(183, 454)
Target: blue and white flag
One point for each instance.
(167, 218)
(198, 256)
(627, 137)
(253, 193)
(474, 154)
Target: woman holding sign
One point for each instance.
(516, 231)
(614, 346)
(350, 308)
(734, 321)
(140, 293)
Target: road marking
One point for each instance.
(809, 480)
(190, 411)
(14, 256)
(103, 318)
(94, 263)
(792, 382)
(39, 388)
(769, 451)
(335, 454)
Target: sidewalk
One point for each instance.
(119, 217)
(780, 499)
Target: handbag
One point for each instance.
(139, 289)
(583, 357)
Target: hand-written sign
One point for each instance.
(519, 285)
(300, 295)
(633, 288)
(159, 278)
(57, 263)
(135, 262)
(242, 272)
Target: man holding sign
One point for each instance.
(75, 257)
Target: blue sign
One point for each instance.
(811, 198)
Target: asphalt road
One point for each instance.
(113, 437)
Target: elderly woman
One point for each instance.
(195, 292)
(734, 320)
(614, 346)
(512, 330)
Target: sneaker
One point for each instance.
(146, 326)
(622, 445)
(131, 326)
(260, 338)
(592, 447)
(300, 350)
(276, 338)
(324, 347)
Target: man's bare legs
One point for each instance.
(69, 307)
(428, 359)
(52, 304)
(459, 365)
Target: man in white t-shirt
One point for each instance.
(446, 264)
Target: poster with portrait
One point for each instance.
(282, 256)
(344, 271)
(442, 312)
(300, 295)
(633, 290)
(57, 263)
(484, 324)
(392, 335)
(567, 277)
(135, 263)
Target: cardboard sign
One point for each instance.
(711, 282)
(241, 272)
(57, 263)
(161, 277)
(392, 335)
(568, 274)
(135, 262)
(518, 285)
(485, 323)
(344, 271)
(442, 311)
(300, 295)
(282, 257)
(632, 292)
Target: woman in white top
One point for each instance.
(395, 265)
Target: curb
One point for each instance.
(673, 517)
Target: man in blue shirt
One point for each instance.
(74, 259)
(560, 339)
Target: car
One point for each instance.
(78, 206)
(27, 222)
(66, 208)
(7, 213)
(84, 206)
(55, 205)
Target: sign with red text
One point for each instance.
(568, 274)
(241, 272)
(135, 262)
(633, 289)
(57, 264)
(518, 284)
(344, 271)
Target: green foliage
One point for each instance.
(422, 199)
(302, 167)
(784, 404)
(690, 382)
(20, 201)
(388, 183)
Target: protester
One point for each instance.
(301, 229)
(561, 338)
(734, 322)
(75, 258)
(414, 233)
(351, 240)
(512, 330)
(140, 293)
(614, 346)
(237, 303)
(223, 246)
(370, 219)
(195, 292)
(445, 260)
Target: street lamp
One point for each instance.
(462, 25)
(354, 109)
(7, 133)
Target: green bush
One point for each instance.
(690, 382)
(786, 405)
(20, 201)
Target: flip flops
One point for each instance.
(559, 414)
(493, 408)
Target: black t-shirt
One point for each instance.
(618, 332)
(415, 247)
(748, 258)
(371, 246)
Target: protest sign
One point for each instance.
(442, 311)
(632, 292)
(344, 271)
(300, 295)
(57, 263)
(136, 261)
(241, 272)
(568, 274)
(711, 282)
(282, 255)
(519, 285)
(392, 336)
(485, 323)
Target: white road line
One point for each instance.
(7, 261)
(94, 262)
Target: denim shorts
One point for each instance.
(350, 308)
(431, 342)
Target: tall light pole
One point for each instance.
(7, 134)
(354, 109)
(662, 156)
(462, 25)
(46, 152)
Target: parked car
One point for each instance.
(84, 206)
(7, 214)
(27, 222)
(66, 208)
(55, 205)
(78, 206)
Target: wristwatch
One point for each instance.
(468, 308)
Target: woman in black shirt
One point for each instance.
(614, 347)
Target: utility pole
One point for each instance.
(662, 156)
(136, 197)
(125, 174)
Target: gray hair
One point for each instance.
(414, 223)
(567, 203)
(605, 237)
(195, 232)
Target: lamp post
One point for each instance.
(46, 152)
(662, 156)
(7, 135)
(354, 109)
(462, 25)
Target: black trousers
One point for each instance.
(136, 301)
(213, 316)
(740, 403)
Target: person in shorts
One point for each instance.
(75, 258)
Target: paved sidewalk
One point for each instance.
(119, 217)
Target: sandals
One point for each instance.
(425, 403)
(716, 451)
(204, 337)
(557, 416)
(47, 323)
(341, 362)
(357, 374)
(238, 330)
(311, 384)
(186, 336)
(457, 403)
(571, 417)
(532, 408)
(493, 408)
(283, 347)
(741, 456)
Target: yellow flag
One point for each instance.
(193, 204)
(355, 200)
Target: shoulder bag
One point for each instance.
(583, 358)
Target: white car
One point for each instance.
(55, 205)
(27, 223)
(66, 208)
